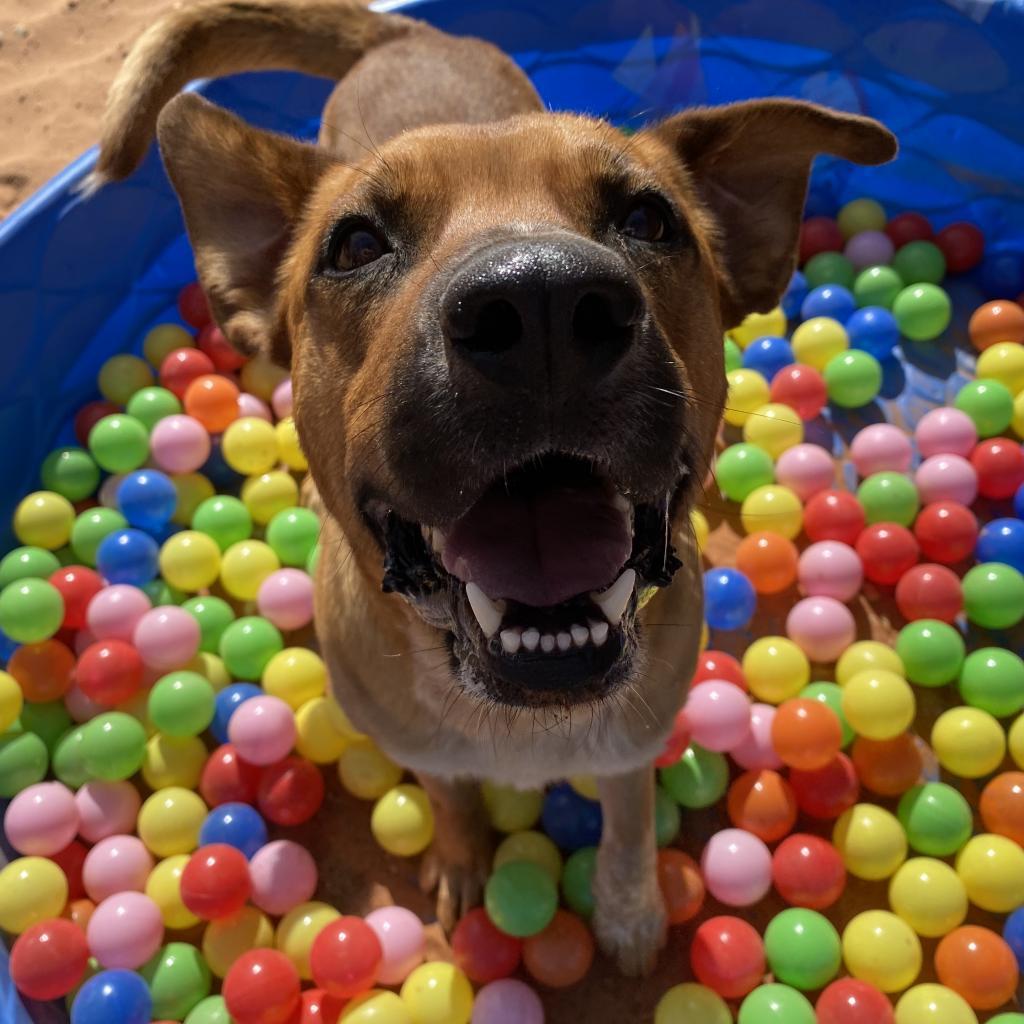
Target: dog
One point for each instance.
(504, 328)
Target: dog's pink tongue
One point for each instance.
(540, 549)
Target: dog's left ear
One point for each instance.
(750, 163)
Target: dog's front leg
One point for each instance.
(629, 914)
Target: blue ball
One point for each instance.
(1018, 502)
(874, 330)
(829, 300)
(147, 498)
(570, 820)
(218, 472)
(113, 996)
(1001, 274)
(128, 556)
(1013, 934)
(236, 824)
(729, 599)
(768, 355)
(796, 292)
(1002, 540)
(225, 703)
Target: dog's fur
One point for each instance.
(453, 138)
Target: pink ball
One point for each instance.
(400, 933)
(179, 444)
(821, 627)
(830, 568)
(106, 809)
(756, 751)
(42, 819)
(80, 707)
(806, 469)
(286, 598)
(108, 490)
(262, 730)
(881, 448)
(945, 431)
(737, 867)
(167, 637)
(869, 249)
(281, 399)
(125, 930)
(116, 864)
(115, 611)
(283, 876)
(250, 405)
(507, 1001)
(718, 714)
(946, 478)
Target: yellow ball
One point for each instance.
(774, 508)
(162, 340)
(775, 669)
(260, 376)
(170, 819)
(163, 887)
(757, 325)
(992, 870)
(190, 561)
(510, 809)
(933, 1004)
(691, 1004)
(297, 930)
(317, 738)
(121, 376)
(534, 847)
(705, 636)
(773, 427)
(292, 454)
(700, 527)
(244, 566)
(342, 723)
(1003, 362)
(264, 496)
(193, 489)
(882, 949)
(403, 820)
(860, 215)
(968, 742)
(366, 771)
(227, 938)
(249, 446)
(819, 340)
(32, 889)
(173, 761)
(878, 704)
(867, 654)
(438, 993)
(212, 668)
(11, 701)
(748, 391)
(44, 520)
(929, 895)
(376, 1007)
(586, 786)
(1017, 422)
(296, 675)
(871, 841)
(1015, 740)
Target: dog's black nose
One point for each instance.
(554, 306)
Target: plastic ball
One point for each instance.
(245, 566)
(119, 995)
(570, 819)
(822, 627)
(367, 773)
(215, 883)
(860, 215)
(994, 595)
(1003, 362)
(920, 261)
(178, 979)
(163, 887)
(968, 742)
(113, 745)
(888, 497)
(833, 515)
(929, 592)
(520, 898)
(992, 869)
(806, 734)
(936, 818)
(946, 431)
(727, 956)
(946, 478)
(247, 646)
(757, 749)
(1002, 805)
(800, 388)
(887, 550)
(125, 930)
(49, 959)
(867, 248)
(946, 532)
(775, 669)
(883, 950)
(262, 730)
(438, 993)
(830, 569)
(830, 695)
(877, 287)
(871, 841)
(819, 340)
(24, 562)
(119, 443)
(874, 331)
(933, 1003)
(291, 791)
(929, 895)
(989, 405)
(41, 820)
(180, 444)
(774, 1002)
(762, 803)
(268, 494)
(739, 470)
(262, 987)
(31, 610)
(992, 679)
(285, 598)
(166, 637)
(767, 560)
(828, 300)
(756, 325)
(808, 871)
(403, 821)
(190, 561)
(128, 556)
(802, 948)
(805, 469)
(228, 938)
(169, 821)
(560, 955)
(400, 934)
(32, 889)
(767, 355)
(772, 508)
(729, 599)
(978, 965)
(69, 472)
(224, 519)
(932, 652)
(923, 311)
(820, 235)
(736, 867)
(775, 428)
(237, 825)
(879, 448)
(688, 1002)
(681, 885)
(853, 379)
(116, 864)
(996, 322)
(481, 950)
(849, 1001)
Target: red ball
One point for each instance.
(819, 234)
(89, 415)
(227, 779)
(181, 367)
(808, 872)
(999, 463)
(802, 388)
(909, 227)
(215, 882)
(192, 305)
(320, 1008)
(345, 957)
(929, 591)
(110, 672)
(677, 742)
(727, 956)
(223, 354)
(849, 1001)
(77, 585)
(962, 244)
(946, 531)
(262, 987)
(719, 665)
(71, 860)
(833, 515)
(826, 792)
(887, 551)
(290, 791)
(49, 959)
(482, 951)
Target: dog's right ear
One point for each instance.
(242, 191)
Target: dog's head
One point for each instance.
(506, 348)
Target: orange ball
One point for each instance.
(977, 964)
(681, 884)
(888, 767)
(43, 671)
(213, 400)
(806, 734)
(79, 911)
(994, 322)
(562, 953)
(762, 802)
(768, 560)
(1002, 806)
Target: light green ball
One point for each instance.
(31, 610)
(119, 443)
(152, 404)
(877, 286)
(994, 595)
(181, 704)
(27, 562)
(89, 529)
(742, 468)
(989, 403)
(853, 379)
(698, 779)
(923, 311)
(931, 651)
(888, 498)
(70, 472)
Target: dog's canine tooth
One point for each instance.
(613, 601)
(510, 640)
(530, 638)
(487, 613)
(580, 635)
(564, 641)
(598, 632)
(547, 643)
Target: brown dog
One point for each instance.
(504, 328)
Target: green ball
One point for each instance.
(69, 758)
(698, 779)
(829, 268)
(89, 529)
(293, 534)
(667, 817)
(920, 263)
(520, 898)
(742, 468)
(211, 1010)
(214, 615)
(70, 472)
(119, 443)
(181, 703)
(803, 949)
(223, 518)
(49, 721)
(248, 644)
(1007, 1018)
(31, 610)
(313, 560)
(23, 761)
(936, 818)
(776, 1004)
(990, 678)
(25, 563)
(932, 652)
(993, 595)
(113, 746)
(877, 286)
(160, 592)
(152, 404)
(578, 880)
(888, 498)
(178, 979)
(733, 356)
(989, 403)
(853, 379)
(831, 695)
(922, 311)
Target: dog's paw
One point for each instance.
(459, 881)
(632, 934)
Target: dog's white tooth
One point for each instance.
(547, 643)
(580, 635)
(486, 611)
(531, 637)
(564, 641)
(598, 632)
(613, 601)
(510, 640)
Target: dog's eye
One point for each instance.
(356, 245)
(647, 220)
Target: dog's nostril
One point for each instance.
(497, 327)
(598, 323)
